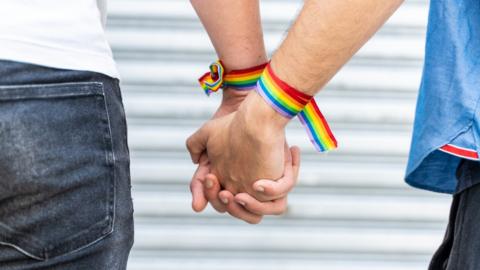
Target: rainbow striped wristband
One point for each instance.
(244, 79)
(290, 102)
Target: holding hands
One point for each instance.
(237, 146)
(243, 142)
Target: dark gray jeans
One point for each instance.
(460, 249)
(65, 200)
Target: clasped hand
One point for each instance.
(245, 167)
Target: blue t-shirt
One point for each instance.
(447, 121)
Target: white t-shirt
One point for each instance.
(64, 34)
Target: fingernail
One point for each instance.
(260, 189)
(224, 200)
(209, 183)
(241, 202)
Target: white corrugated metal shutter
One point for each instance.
(351, 209)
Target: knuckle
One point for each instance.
(207, 126)
(188, 144)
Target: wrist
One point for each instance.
(230, 93)
(239, 61)
(241, 79)
(232, 98)
(259, 117)
(289, 102)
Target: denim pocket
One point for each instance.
(56, 168)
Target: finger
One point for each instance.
(275, 207)
(197, 143)
(212, 188)
(271, 190)
(199, 200)
(237, 211)
(295, 150)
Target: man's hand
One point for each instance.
(231, 100)
(243, 146)
(275, 191)
(206, 188)
(304, 60)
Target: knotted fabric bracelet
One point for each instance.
(290, 102)
(243, 79)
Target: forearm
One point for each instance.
(234, 28)
(325, 36)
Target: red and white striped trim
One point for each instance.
(459, 151)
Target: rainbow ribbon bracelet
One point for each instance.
(290, 102)
(244, 79)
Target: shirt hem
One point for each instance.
(428, 187)
(57, 58)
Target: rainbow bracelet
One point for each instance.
(244, 79)
(290, 102)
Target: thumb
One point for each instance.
(197, 143)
